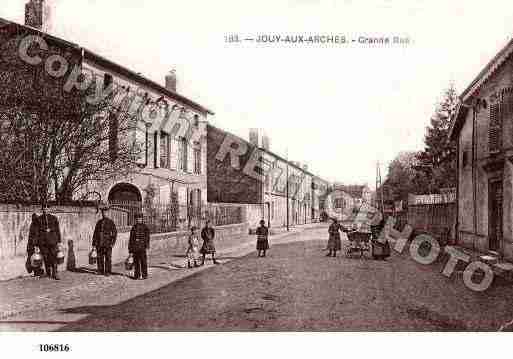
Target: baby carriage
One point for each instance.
(359, 242)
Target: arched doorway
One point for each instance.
(124, 192)
(126, 201)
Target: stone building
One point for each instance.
(483, 130)
(169, 127)
(305, 190)
(360, 193)
(340, 205)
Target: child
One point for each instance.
(262, 239)
(193, 249)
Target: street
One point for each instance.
(295, 288)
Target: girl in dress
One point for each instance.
(192, 253)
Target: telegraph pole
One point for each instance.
(379, 185)
(287, 185)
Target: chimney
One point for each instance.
(34, 14)
(38, 14)
(171, 80)
(265, 142)
(305, 167)
(253, 136)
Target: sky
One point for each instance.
(338, 108)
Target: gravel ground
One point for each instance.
(295, 288)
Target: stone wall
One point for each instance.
(77, 226)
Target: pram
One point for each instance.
(359, 242)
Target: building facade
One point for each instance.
(169, 128)
(291, 195)
(172, 132)
(360, 193)
(483, 130)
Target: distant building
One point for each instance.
(305, 190)
(360, 193)
(339, 204)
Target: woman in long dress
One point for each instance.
(262, 239)
(334, 242)
(208, 247)
(380, 245)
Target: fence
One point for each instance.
(171, 217)
(222, 215)
(436, 219)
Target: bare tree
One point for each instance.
(52, 146)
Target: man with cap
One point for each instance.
(104, 238)
(138, 245)
(48, 241)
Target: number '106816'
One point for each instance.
(54, 347)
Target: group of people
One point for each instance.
(380, 250)
(45, 237)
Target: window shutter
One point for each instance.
(494, 129)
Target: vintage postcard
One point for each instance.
(255, 166)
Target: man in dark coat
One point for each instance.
(104, 238)
(208, 234)
(138, 244)
(32, 243)
(48, 241)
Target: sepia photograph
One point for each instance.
(233, 167)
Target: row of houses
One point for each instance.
(171, 167)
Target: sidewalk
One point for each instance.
(29, 294)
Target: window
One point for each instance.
(338, 203)
(164, 150)
(107, 80)
(464, 159)
(197, 158)
(183, 154)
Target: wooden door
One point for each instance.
(495, 215)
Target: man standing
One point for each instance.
(32, 243)
(104, 238)
(138, 245)
(48, 241)
(262, 233)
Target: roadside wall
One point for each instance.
(77, 225)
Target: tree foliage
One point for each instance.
(439, 156)
(432, 169)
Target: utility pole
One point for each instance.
(379, 185)
(287, 185)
